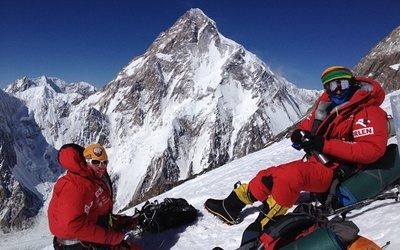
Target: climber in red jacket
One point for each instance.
(347, 125)
(80, 210)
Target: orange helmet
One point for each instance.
(95, 152)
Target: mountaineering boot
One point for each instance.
(229, 208)
(270, 210)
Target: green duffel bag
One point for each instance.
(321, 239)
(371, 180)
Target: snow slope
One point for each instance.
(378, 221)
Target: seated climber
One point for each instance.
(80, 210)
(347, 125)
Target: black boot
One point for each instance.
(228, 209)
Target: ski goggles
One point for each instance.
(338, 84)
(97, 163)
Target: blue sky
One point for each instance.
(91, 40)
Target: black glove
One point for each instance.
(297, 136)
(124, 245)
(313, 143)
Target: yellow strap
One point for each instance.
(242, 193)
(111, 220)
(274, 210)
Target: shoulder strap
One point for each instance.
(331, 195)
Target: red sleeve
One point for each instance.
(72, 217)
(306, 124)
(370, 140)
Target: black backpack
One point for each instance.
(156, 217)
(306, 228)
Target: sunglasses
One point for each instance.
(339, 84)
(97, 162)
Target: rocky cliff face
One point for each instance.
(382, 62)
(27, 165)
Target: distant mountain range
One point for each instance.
(193, 101)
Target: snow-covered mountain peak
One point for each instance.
(50, 101)
(203, 99)
(52, 84)
(193, 28)
(26, 83)
(189, 28)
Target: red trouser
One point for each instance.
(290, 179)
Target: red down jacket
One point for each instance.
(355, 132)
(79, 201)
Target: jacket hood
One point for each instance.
(70, 156)
(372, 88)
